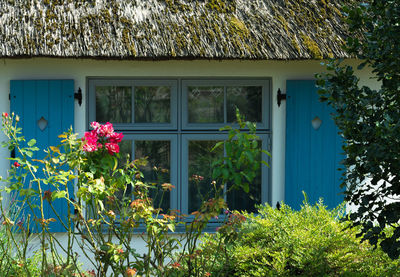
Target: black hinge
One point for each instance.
(280, 96)
(13, 153)
(78, 96)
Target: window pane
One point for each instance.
(239, 200)
(153, 104)
(157, 170)
(200, 171)
(248, 99)
(206, 104)
(113, 104)
(125, 152)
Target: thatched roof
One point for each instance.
(172, 29)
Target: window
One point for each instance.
(175, 123)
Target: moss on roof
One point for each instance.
(172, 29)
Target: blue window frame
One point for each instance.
(179, 120)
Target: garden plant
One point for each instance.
(109, 207)
(368, 119)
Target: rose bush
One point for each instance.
(110, 205)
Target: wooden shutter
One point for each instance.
(312, 155)
(52, 100)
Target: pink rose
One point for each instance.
(116, 137)
(16, 164)
(88, 147)
(90, 141)
(112, 148)
(106, 130)
(95, 125)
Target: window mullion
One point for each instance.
(133, 104)
(225, 108)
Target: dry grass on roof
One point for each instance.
(172, 29)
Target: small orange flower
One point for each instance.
(130, 272)
(207, 274)
(167, 186)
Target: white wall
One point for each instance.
(78, 70)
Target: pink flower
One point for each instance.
(95, 125)
(88, 147)
(16, 164)
(112, 148)
(90, 141)
(106, 130)
(5, 114)
(116, 137)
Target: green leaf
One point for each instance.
(32, 142)
(218, 144)
(58, 194)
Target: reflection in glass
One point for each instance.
(152, 104)
(200, 171)
(237, 199)
(206, 104)
(248, 99)
(113, 104)
(157, 170)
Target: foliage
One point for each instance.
(369, 120)
(111, 206)
(309, 242)
(241, 164)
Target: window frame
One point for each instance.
(173, 125)
(173, 138)
(265, 123)
(265, 172)
(181, 130)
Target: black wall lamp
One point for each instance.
(78, 96)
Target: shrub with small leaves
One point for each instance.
(310, 242)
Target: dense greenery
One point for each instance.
(369, 120)
(310, 242)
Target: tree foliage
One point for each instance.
(369, 120)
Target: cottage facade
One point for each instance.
(167, 74)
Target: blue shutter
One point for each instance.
(312, 155)
(54, 101)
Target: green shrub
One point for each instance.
(309, 242)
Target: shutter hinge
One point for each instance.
(280, 96)
(78, 96)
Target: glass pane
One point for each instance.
(153, 104)
(239, 200)
(125, 150)
(247, 99)
(157, 170)
(206, 104)
(125, 153)
(113, 104)
(200, 171)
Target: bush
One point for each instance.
(310, 242)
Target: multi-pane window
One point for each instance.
(175, 123)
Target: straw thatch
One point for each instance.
(172, 29)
